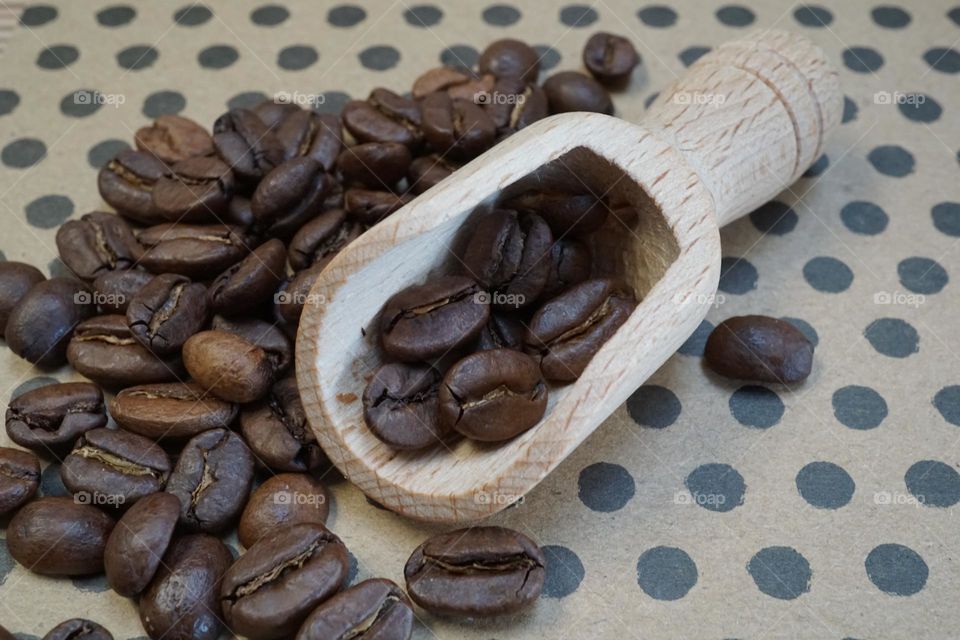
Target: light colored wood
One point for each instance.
(691, 165)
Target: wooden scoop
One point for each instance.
(742, 124)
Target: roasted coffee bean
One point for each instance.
(294, 294)
(166, 312)
(312, 135)
(277, 432)
(283, 500)
(289, 196)
(385, 118)
(264, 334)
(275, 585)
(572, 91)
(228, 366)
(97, 243)
(173, 138)
(16, 279)
(251, 282)
(567, 213)
(759, 348)
(138, 542)
(396, 107)
(126, 183)
(400, 405)
(181, 602)
(239, 212)
(483, 571)
(427, 171)
(501, 332)
(492, 395)
(428, 320)
(50, 418)
(78, 629)
(115, 467)
(103, 349)
(566, 332)
(513, 104)
(370, 207)
(509, 58)
(456, 127)
(170, 411)
(375, 164)
(193, 250)
(475, 90)
(376, 609)
(212, 480)
(610, 58)
(438, 79)
(19, 478)
(39, 326)
(274, 112)
(570, 264)
(113, 290)
(318, 241)
(246, 144)
(56, 536)
(194, 190)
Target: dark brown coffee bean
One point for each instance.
(567, 331)
(16, 279)
(251, 282)
(6, 635)
(294, 294)
(570, 264)
(572, 91)
(318, 241)
(181, 602)
(239, 212)
(113, 290)
(78, 629)
(40, 324)
(277, 431)
(264, 334)
(283, 500)
(212, 480)
(501, 332)
(192, 250)
(273, 112)
(228, 366)
(246, 144)
(174, 138)
(126, 183)
(19, 478)
(96, 243)
(367, 123)
(275, 585)
(509, 58)
(370, 207)
(56, 536)
(138, 542)
(170, 411)
(513, 104)
(456, 127)
(289, 196)
(396, 107)
(759, 348)
(427, 171)
(194, 190)
(376, 609)
(610, 58)
(103, 349)
(438, 79)
(166, 312)
(483, 571)
(378, 165)
(312, 135)
(50, 418)
(400, 405)
(567, 213)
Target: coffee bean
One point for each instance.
(294, 294)
(428, 320)
(398, 108)
(313, 135)
(170, 411)
(115, 465)
(192, 250)
(482, 571)
(16, 279)
(181, 602)
(513, 104)
(78, 629)
(264, 334)
(319, 241)
(610, 58)
(19, 478)
(194, 190)
(228, 366)
(212, 480)
(103, 349)
(375, 164)
(572, 91)
(438, 79)
(166, 312)
(509, 58)
(273, 112)
(239, 212)
(567, 331)
(570, 264)
(400, 405)
(366, 123)
(289, 196)
(251, 282)
(246, 144)
(759, 348)
(370, 207)
(427, 171)
(277, 432)
(56, 536)
(272, 588)
(502, 331)
(456, 127)
(39, 326)
(173, 138)
(126, 183)
(113, 290)
(283, 500)
(138, 542)
(567, 213)
(97, 243)
(375, 608)
(50, 418)
(474, 90)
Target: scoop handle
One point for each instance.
(750, 117)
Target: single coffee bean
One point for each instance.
(475, 90)
(294, 294)
(228, 366)
(759, 348)
(273, 112)
(492, 395)
(310, 134)
(456, 127)
(428, 171)
(78, 629)
(289, 196)
(274, 586)
(239, 212)
(283, 500)
(96, 243)
(398, 108)
(126, 183)
(113, 290)
(438, 79)
(319, 241)
(375, 608)
(509, 58)
(246, 144)
(375, 164)
(251, 282)
(400, 405)
(570, 264)
(265, 335)
(19, 478)
(566, 332)
(39, 326)
(181, 602)
(50, 418)
(16, 279)
(173, 138)
(567, 213)
(513, 104)
(166, 312)
(501, 332)
(192, 250)
(483, 571)
(429, 320)
(115, 467)
(138, 542)
(212, 480)
(610, 58)
(572, 91)
(170, 411)
(277, 432)
(194, 190)
(370, 207)
(103, 349)
(367, 124)
(56, 536)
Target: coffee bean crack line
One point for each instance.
(119, 463)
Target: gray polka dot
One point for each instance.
(219, 56)
(865, 218)
(862, 59)
(920, 108)
(346, 15)
(666, 573)
(780, 572)
(164, 103)
(890, 17)
(737, 276)
(943, 59)
(922, 275)
(825, 485)
(859, 407)
(91, 584)
(649, 100)
(946, 218)
(805, 328)
(137, 57)
(605, 487)
(6, 562)
(818, 168)
(564, 571)
(716, 487)
(813, 16)
(734, 15)
(933, 483)
(893, 337)
(850, 110)
(828, 275)
(756, 407)
(31, 384)
(333, 101)
(353, 567)
(691, 54)
(192, 15)
(548, 56)
(103, 152)
(116, 16)
(51, 484)
(57, 57)
(697, 341)
(501, 15)
(38, 15)
(246, 100)
(774, 217)
(269, 15)
(954, 14)
(657, 16)
(379, 57)
(49, 212)
(578, 15)
(653, 406)
(297, 57)
(947, 402)
(81, 103)
(9, 99)
(23, 153)
(459, 56)
(423, 15)
(896, 569)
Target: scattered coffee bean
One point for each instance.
(572, 91)
(514, 104)
(370, 207)
(166, 312)
(501, 332)
(437, 79)
(398, 108)
(570, 264)
(277, 431)
(294, 294)
(274, 112)
(103, 349)
(78, 629)
(173, 138)
(610, 58)
(40, 324)
(567, 213)
(192, 250)
(264, 334)
(312, 135)
(251, 282)
(194, 190)
(426, 172)
(126, 183)
(509, 58)
(96, 243)
(50, 418)
(138, 542)
(19, 478)
(282, 500)
(759, 348)
(16, 279)
(375, 608)
(246, 144)
(457, 127)
(113, 290)
(367, 124)
(290, 195)
(318, 241)
(400, 405)
(170, 411)
(375, 164)
(228, 366)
